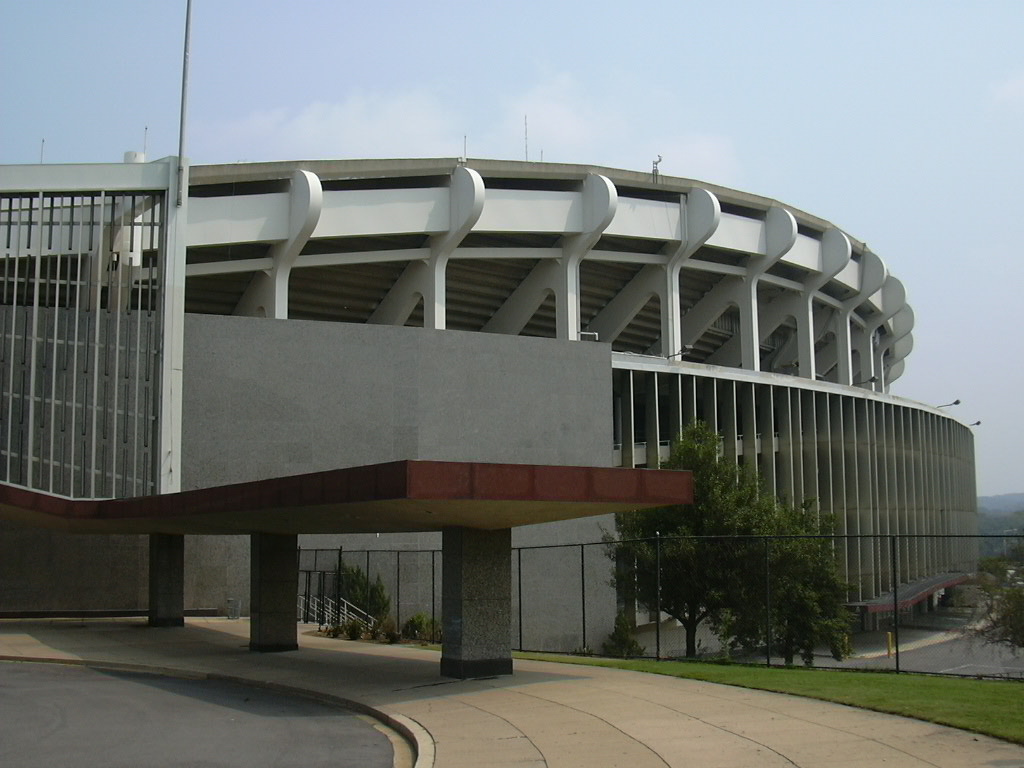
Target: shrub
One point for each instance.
(387, 630)
(622, 642)
(421, 627)
(353, 629)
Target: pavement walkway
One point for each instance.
(546, 714)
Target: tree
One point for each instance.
(1004, 617)
(713, 566)
(368, 596)
(1002, 622)
(804, 603)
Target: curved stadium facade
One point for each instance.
(287, 318)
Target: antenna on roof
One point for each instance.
(145, 139)
(654, 169)
(42, 146)
(526, 140)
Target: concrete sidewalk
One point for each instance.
(545, 715)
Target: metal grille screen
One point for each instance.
(80, 296)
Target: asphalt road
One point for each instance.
(953, 655)
(55, 715)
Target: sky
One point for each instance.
(899, 122)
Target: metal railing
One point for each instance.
(330, 611)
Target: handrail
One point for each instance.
(330, 611)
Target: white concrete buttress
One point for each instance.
(897, 357)
(798, 351)
(700, 213)
(896, 370)
(267, 293)
(873, 274)
(779, 236)
(899, 328)
(893, 299)
(600, 199)
(426, 278)
(561, 276)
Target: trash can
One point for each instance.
(233, 608)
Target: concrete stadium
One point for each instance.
(171, 331)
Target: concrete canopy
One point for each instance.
(392, 497)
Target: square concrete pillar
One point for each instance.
(476, 602)
(166, 580)
(273, 592)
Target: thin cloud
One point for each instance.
(402, 124)
(566, 124)
(1009, 92)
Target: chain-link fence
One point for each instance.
(410, 580)
(934, 604)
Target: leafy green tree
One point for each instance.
(713, 568)
(803, 604)
(368, 596)
(1002, 622)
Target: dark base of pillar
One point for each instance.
(273, 648)
(174, 621)
(475, 668)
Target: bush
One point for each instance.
(387, 630)
(421, 627)
(622, 642)
(353, 629)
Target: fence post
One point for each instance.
(321, 607)
(305, 609)
(895, 600)
(337, 588)
(583, 601)
(519, 576)
(657, 596)
(767, 602)
(433, 596)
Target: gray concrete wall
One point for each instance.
(50, 571)
(265, 398)
(44, 570)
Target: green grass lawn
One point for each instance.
(992, 707)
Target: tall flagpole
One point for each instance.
(184, 100)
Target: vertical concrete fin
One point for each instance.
(267, 292)
(600, 201)
(872, 276)
(426, 278)
(700, 215)
(835, 255)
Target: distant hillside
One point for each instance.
(1005, 504)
